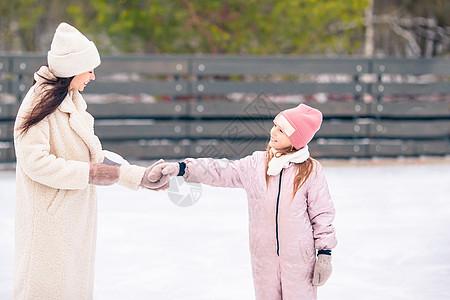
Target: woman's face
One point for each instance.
(278, 139)
(81, 80)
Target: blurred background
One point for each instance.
(205, 78)
(296, 27)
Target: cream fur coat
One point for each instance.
(56, 208)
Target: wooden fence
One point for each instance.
(222, 106)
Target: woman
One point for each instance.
(59, 160)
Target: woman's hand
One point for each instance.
(103, 174)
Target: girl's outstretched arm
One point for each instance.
(214, 172)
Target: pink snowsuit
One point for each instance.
(284, 232)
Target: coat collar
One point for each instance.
(82, 123)
(276, 164)
(73, 102)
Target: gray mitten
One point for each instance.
(103, 174)
(322, 269)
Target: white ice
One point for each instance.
(392, 223)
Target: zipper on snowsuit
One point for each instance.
(276, 213)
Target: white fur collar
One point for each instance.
(276, 164)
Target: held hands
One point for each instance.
(322, 269)
(107, 173)
(161, 183)
(162, 172)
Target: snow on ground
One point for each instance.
(392, 223)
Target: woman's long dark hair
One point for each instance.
(53, 93)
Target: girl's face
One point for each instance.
(278, 139)
(81, 80)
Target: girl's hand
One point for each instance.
(163, 181)
(322, 269)
(164, 169)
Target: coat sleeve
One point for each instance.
(321, 210)
(221, 172)
(130, 175)
(34, 157)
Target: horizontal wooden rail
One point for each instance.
(247, 65)
(180, 129)
(191, 114)
(435, 66)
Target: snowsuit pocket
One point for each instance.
(306, 251)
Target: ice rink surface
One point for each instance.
(392, 223)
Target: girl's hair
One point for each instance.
(304, 169)
(54, 91)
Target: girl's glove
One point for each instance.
(163, 170)
(103, 174)
(322, 269)
(161, 184)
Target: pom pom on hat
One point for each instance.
(300, 124)
(71, 53)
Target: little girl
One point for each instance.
(290, 208)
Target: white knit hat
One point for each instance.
(71, 53)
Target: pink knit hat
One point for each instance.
(300, 124)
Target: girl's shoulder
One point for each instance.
(254, 160)
(259, 157)
(316, 163)
(317, 173)
(317, 167)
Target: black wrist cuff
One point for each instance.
(326, 252)
(182, 168)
